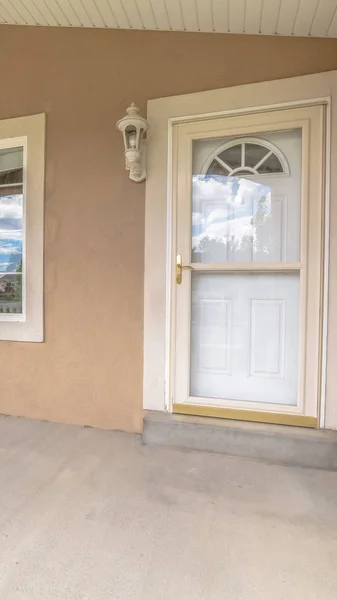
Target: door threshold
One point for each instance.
(246, 415)
(282, 445)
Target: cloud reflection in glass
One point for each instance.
(231, 220)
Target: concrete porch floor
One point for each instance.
(91, 514)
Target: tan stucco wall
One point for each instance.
(89, 370)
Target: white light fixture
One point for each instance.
(133, 128)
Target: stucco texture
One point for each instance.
(89, 369)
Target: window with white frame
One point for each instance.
(21, 228)
(246, 156)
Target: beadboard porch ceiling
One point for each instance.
(316, 18)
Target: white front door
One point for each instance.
(249, 220)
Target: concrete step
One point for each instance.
(278, 444)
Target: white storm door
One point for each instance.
(248, 196)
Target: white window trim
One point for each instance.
(28, 132)
(162, 115)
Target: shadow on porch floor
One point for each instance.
(92, 514)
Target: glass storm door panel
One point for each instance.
(244, 237)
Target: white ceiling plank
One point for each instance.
(107, 14)
(119, 13)
(64, 12)
(220, 14)
(56, 13)
(190, 15)
(161, 16)
(14, 13)
(39, 11)
(133, 16)
(323, 17)
(269, 16)
(253, 15)
(205, 15)
(236, 16)
(287, 16)
(28, 13)
(147, 14)
(305, 17)
(93, 10)
(332, 30)
(4, 16)
(78, 7)
(175, 15)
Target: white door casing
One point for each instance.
(160, 244)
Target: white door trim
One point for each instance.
(163, 114)
(326, 256)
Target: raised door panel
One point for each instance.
(245, 337)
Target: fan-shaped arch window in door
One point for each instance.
(246, 157)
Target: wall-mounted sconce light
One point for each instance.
(133, 128)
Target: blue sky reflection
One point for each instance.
(11, 223)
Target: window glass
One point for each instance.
(232, 156)
(11, 230)
(252, 157)
(254, 154)
(271, 165)
(252, 213)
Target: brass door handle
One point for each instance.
(179, 269)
